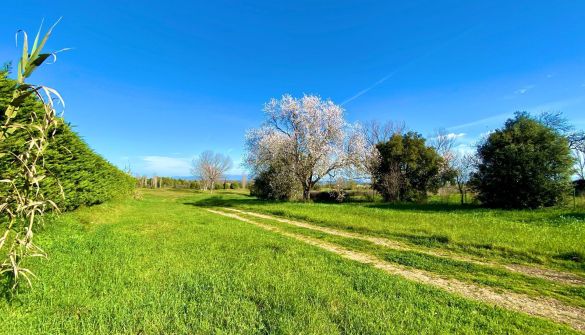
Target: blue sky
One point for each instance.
(153, 83)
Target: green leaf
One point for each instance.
(24, 47)
(18, 101)
(40, 47)
(35, 63)
(36, 42)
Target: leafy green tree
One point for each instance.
(407, 169)
(526, 164)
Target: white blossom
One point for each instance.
(307, 135)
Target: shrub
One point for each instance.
(273, 184)
(408, 169)
(234, 185)
(523, 165)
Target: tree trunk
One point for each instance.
(306, 193)
(461, 189)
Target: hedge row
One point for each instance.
(85, 177)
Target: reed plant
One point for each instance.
(23, 141)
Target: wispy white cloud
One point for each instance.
(555, 105)
(524, 89)
(411, 62)
(482, 122)
(485, 134)
(167, 166)
(455, 136)
(450, 136)
(369, 88)
(549, 106)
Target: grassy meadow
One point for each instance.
(162, 264)
(552, 236)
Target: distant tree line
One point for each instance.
(156, 182)
(209, 170)
(528, 163)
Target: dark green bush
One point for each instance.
(523, 165)
(408, 168)
(273, 184)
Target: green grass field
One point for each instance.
(550, 236)
(164, 264)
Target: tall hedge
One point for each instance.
(85, 177)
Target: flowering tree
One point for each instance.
(307, 138)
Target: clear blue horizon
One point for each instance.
(152, 84)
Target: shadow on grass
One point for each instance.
(7, 293)
(427, 240)
(220, 201)
(426, 207)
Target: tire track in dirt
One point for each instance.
(556, 276)
(542, 307)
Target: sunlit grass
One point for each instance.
(545, 236)
(159, 265)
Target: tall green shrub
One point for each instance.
(407, 169)
(526, 164)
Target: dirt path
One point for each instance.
(556, 276)
(543, 307)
